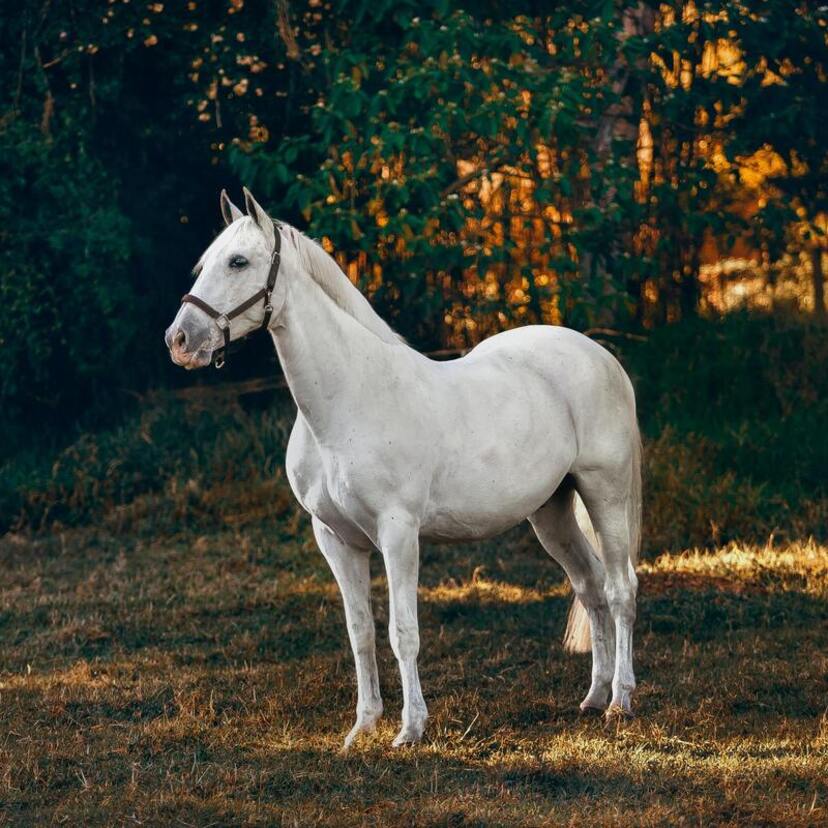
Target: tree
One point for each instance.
(785, 101)
(476, 168)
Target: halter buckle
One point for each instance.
(222, 321)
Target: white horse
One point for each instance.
(390, 448)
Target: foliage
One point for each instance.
(97, 151)
(566, 165)
(476, 166)
(754, 386)
(379, 170)
(785, 112)
(66, 307)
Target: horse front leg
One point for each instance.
(350, 567)
(398, 540)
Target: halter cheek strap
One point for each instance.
(223, 320)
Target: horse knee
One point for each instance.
(405, 640)
(362, 636)
(621, 597)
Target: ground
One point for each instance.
(204, 678)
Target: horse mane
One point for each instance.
(324, 270)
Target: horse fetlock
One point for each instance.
(413, 726)
(624, 686)
(596, 698)
(622, 692)
(416, 713)
(366, 722)
(369, 713)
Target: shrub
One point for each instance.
(182, 454)
(68, 308)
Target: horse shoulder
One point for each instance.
(303, 465)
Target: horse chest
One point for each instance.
(325, 489)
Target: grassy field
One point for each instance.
(174, 652)
(207, 680)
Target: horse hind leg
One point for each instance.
(613, 501)
(590, 624)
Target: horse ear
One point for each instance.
(229, 210)
(254, 209)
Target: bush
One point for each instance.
(734, 413)
(735, 368)
(68, 309)
(691, 499)
(194, 462)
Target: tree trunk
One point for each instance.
(619, 120)
(818, 279)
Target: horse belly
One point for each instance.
(493, 493)
(511, 444)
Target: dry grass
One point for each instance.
(189, 679)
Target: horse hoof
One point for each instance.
(407, 736)
(617, 713)
(367, 725)
(589, 711)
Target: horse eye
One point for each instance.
(238, 262)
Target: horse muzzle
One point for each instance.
(190, 345)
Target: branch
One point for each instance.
(471, 176)
(286, 30)
(49, 102)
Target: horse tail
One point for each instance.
(635, 501)
(577, 638)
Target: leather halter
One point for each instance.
(223, 320)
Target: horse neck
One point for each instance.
(329, 358)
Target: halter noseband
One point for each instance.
(223, 320)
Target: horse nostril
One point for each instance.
(179, 339)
